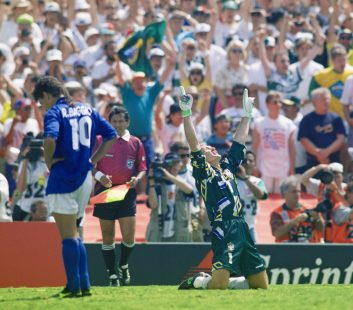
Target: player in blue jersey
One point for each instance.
(70, 129)
(233, 248)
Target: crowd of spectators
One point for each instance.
(294, 56)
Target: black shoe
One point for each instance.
(66, 293)
(114, 280)
(124, 276)
(85, 293)
(189, 283)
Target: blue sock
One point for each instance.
(71, 257)
(84, 277)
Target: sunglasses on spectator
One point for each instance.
(237, 93)
(275, 101)
(349, 37)
(256, 14)
(184, 155)
(195, 72)
(191, 47)
(237, 50)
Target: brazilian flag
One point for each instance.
(133, 52)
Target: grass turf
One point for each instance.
(288, 297)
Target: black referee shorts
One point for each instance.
(118, 209)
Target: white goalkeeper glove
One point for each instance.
(185, 102)
(248, 104)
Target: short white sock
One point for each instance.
(239, 283)
(201, 282)
(124, 266)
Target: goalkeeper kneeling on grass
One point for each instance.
(233, 248)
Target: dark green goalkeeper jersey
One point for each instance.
(218, 188)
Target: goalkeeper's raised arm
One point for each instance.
(243, 128)
(185, 104)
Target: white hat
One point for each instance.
(196, 66)
(83, 19)
(21, 51)
(100, 92)
(52, 7)
(73, 85)
(202, 27)
(81, 5)
(90, 32)
(54, 54)
(111, 90)
(336, 167)
(156, 51)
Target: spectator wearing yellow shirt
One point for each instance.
(333, 78)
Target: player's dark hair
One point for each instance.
(50, 85)
(252, 153)
(119, 110)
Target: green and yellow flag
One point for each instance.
(133, 52)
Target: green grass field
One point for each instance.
(337, 297)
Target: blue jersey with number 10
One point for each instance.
(74, 127)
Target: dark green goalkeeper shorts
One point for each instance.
(234, 249)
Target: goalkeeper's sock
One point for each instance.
(71, 257)
(126, 250)
(239, 283)
(108, 252)
(83, 268)
(201, 282)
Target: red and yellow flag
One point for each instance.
(116, 193)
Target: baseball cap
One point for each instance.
(79, 63)
(288, 102)
(83, 19)
(138, 75)
(230, 5)
(336, 167)
(202, 27)
(202, 10)
(219, 118)
(21, 51)
(258, 11)
(345, 33)
(90, 32)
(25, 19)
(175, 14)
(81, 5)
(196, 66)
(54, 55)
(73, 85)
(52, 7)
(156, 51)
(270, 42)
(107, 29)
(21, 4)
(20, 103)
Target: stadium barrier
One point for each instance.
(31, 256)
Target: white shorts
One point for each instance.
(72, 203)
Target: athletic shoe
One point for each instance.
(114, 280)
(189, 283)
(85, 293)
(124, 276)
(66, 293)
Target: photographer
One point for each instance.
(168, 194)
(330, 184)
(293, 222)
(341, 228)
(32, 177)
(250, 189)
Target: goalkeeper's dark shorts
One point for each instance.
(234, 249)
(118, 209)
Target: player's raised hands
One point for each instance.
(248, 104)
(185, 102)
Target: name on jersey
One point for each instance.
(76, 111)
